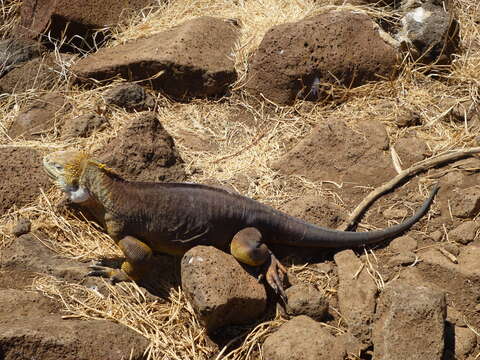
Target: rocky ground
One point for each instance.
(305, 106)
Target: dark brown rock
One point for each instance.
(304, 299)
(341, 153)
(403, 243)
(356, 295)
(465, 203)
(463, 342)
(195, 59)
(67, 19)
(302, 339)
(22, 227)
(304, 59)
(144, 151)
(32, 327)
(17, 51)
(410, 150)
(219, 289)
(404, 258)
(130, 97)
(39, 118)
(28, 254)
(39, 74)
(464, 233)
(410, 323)
(22, 177)
(315, 210)
(83, 126)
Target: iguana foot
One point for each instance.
(115, 275)
(276, 275)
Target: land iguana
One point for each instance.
(144, 218)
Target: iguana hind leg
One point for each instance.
(137, 256)
(248, 248)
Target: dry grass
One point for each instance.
(239, 138)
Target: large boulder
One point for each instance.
(340, 152)
(219, 289)
(411, 323)
(193, 59)
(305, 59)
(74, 20)
(22, 177)
(302, 339)
(144, 151)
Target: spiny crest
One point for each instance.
(104, 168)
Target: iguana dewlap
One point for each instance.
(144, 218)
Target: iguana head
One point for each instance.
(65, 168)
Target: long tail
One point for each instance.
(316, 236)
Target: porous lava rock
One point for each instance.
(16, 51)
(337, 151)
(32, 326)
(356, 295)
(464, 233)
(41, 73)
(410, 324)
(130, 97)
(40, 117)
(74, 21)
(22, 176)
(83, 126)
(315, 210)
(305, 299)
(304, 59)
(144, 151)
(194, 59)
(465, 203)
(219, 289)
(302, 338)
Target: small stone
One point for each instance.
(23, 226)
(303, 299)
(465, 203)
(406, 117)
(83, 126)
(403, 244)
(130, 97)
(437, 235)
(404, 258)
(395, 213)
(464, 233)
(452, 248)
(302, 338)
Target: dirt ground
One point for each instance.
(315, 160)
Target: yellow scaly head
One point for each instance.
(65, 169)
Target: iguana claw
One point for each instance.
(275, 276)
(115, 275)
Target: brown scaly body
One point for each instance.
(143, 218)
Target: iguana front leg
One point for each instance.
(137, 256)
(247, 247)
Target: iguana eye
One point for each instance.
(58, 167)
